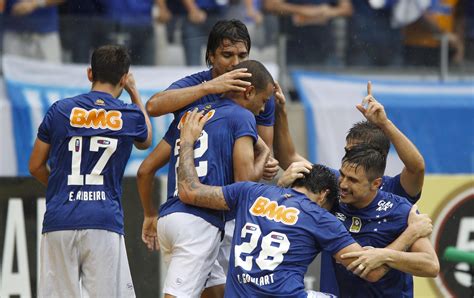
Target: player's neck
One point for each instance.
(106, 88)
(366, 201)
(306, 192)
(235, 97)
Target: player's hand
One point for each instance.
(372, 110)
(421, 224)
(229, 81)
(280, 100)
(367, 260)
(149, 233)
(23, 8)
(192, 125)
(197, 16)
(271, 169)
(295, 171)
(130, 84)
(131, 88)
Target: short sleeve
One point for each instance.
(44, 130)
(267, 117)
(191, 80)
(141, 130)
(170, 134)
(244, 125)
(234, 192)
(331, 234)
(393, 185)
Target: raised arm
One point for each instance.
(413, 173)
(171, 100)
(190, 189)
(145, 179)
(132, 90)
(283, 146)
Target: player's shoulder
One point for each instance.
(71, 102)
(303, 203)
(234, 110)
(193, 79)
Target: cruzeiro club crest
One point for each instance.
(454, 226)
(356, 225)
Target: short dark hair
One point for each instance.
(109, 63)
(369, 158)
(260, 78)
(319, 179)
(233, 30)
(369, 133)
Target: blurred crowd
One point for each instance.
(387, 33)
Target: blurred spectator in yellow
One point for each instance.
(80, 18)
(31, 29)
(372, 40)
(201, 16)
(422, 38)
(309, 34)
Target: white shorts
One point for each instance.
(90, 262)
(189, 246)
(221, 266)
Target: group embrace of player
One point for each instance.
(220, 232)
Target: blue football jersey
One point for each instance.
(278, 233)
(377, 225)
(328, 279)
(213, 154)
(265, 118)
(91, 138)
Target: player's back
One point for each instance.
(213, 153)
(278, 233)
(91, 138)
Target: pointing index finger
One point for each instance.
(369, 88)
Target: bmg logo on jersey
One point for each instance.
(96, 119)
(265, 208)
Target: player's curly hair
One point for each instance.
(109, 63)
(369, 133)
(319, 179)
(369, 158)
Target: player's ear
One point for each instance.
(211, 58)
(250, 92)
(323, 197)
(376, 183)
(89, 74)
